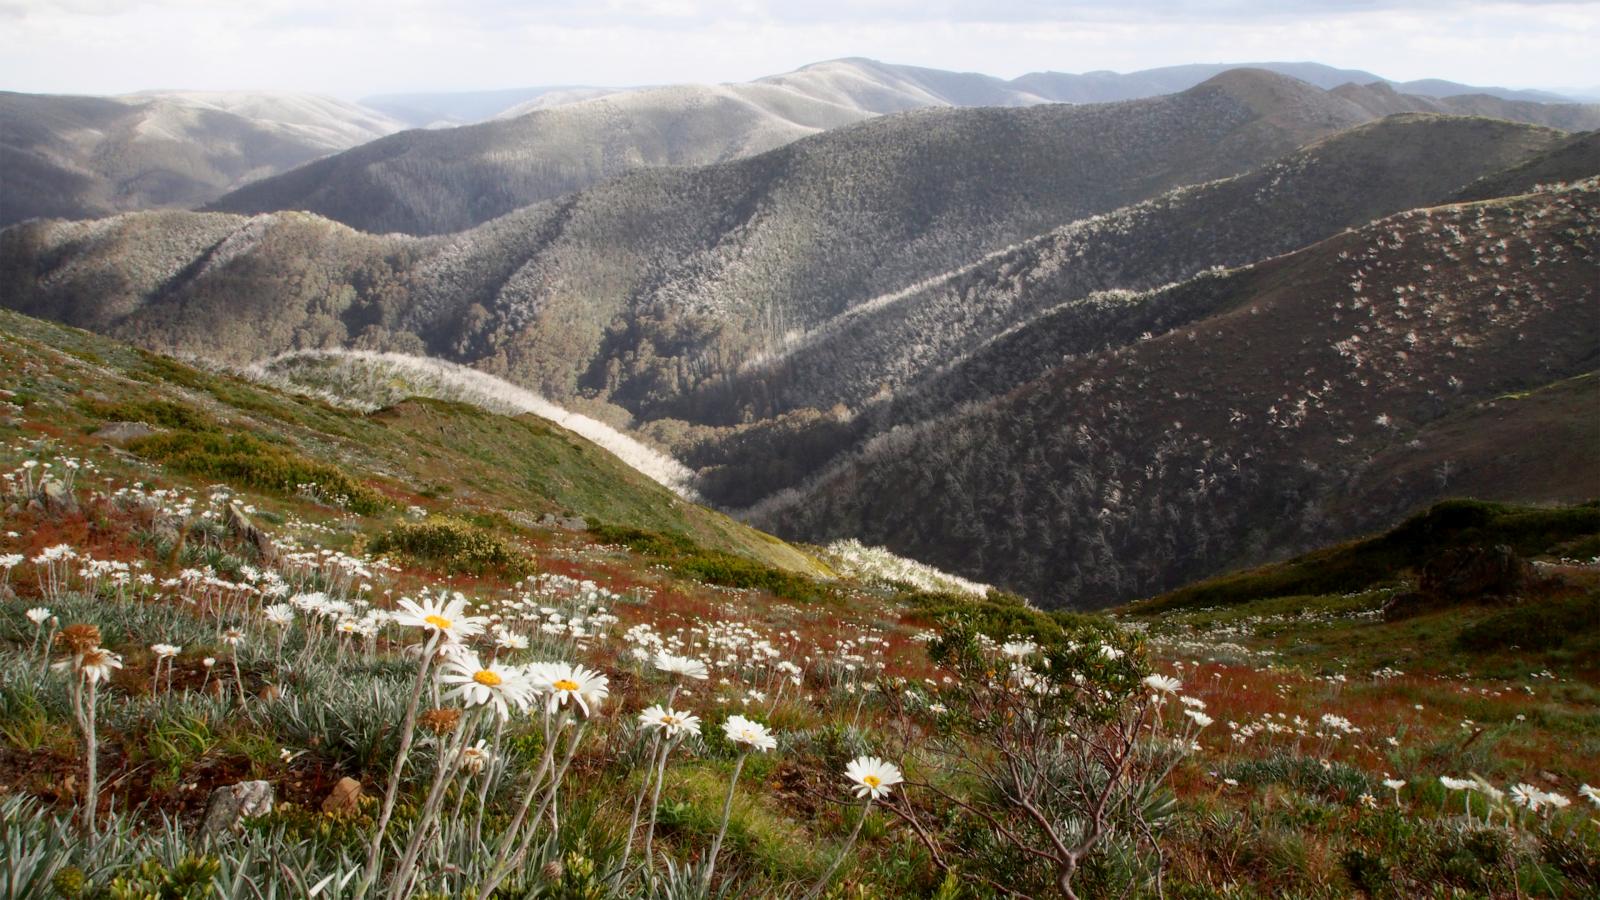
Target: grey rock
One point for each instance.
(231, 805)
(123, 432)
(570, 523)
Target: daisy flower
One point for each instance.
(751, 733)
(165, 651)
(1527, 796)
(872, 776)
(38, 615)
(93, 665)
(1199, 717)
(563, 682)
(1592, 794)
(669, 721)
(279, 614)
(475, 757)
(495, 684)
(1019, 649)
(686, 666)
(1163, 684)
(448, 619)
(507, 640)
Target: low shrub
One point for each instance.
(452, 545)
(1535, 626)
(247, 460)
(688, 559)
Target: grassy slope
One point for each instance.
(416, 452)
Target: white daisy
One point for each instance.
(873, 777)
(448, 619)
(669, 721)
(749, 732)
(1592, 794)
(1163, 684)
(93, 665)
(563, 682)
(686, 666)
(476, 684)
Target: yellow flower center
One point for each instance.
(565, 684)
(486, 678)
(871, 781)
(670, 720)
(439, 622)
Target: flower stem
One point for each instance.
(822, 883)
(727, 813)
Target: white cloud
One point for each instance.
(363, 46)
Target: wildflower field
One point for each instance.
(254, 645)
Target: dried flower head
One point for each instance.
(441, 720)
(79, 637)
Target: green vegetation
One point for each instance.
(453, 546)
(1002, 616)
(249, 461)
(1538, 626)
(689, 560)
(1389, 558)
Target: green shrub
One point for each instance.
(190, 879)
(453, 545)
(688, 559)
(1385, 558)
(163, 413)
(245, 460)
(1535, 626)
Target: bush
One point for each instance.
(245, 460)
(688, 559)
(1368, 563)
(453, 545)
(163, 413)
(1535, 626)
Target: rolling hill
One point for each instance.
(79, 157)
(434, 182)
(642, 289)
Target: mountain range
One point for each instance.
(1081, 351)
(436, 182)
(77, 157)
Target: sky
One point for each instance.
(353, 48)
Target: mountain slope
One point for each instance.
(646, 287)
(1574, 159)
(76, 157)
(1347, 179)
(433, 182)
(511, 469)
(1240, 435)
(1382, 100)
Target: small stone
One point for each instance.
(344, 799)
(123, 432)
(229, 806)
(566, 523)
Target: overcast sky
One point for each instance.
(368, 46)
